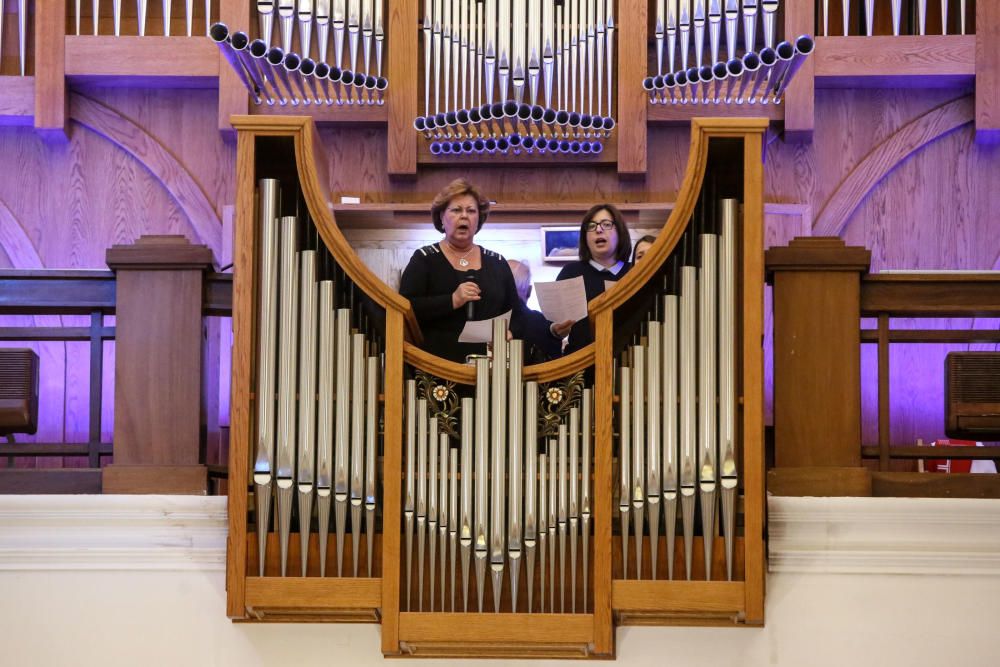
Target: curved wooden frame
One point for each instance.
(511, 634)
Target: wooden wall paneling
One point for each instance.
(233, 97)
(631, 42)
(987, 71)
(800, 117)
(834, 215)
(162, 163)
(401, 96)
(50, 82)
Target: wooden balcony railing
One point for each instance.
(52, 294)
(821, 293)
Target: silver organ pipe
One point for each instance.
(372, 373)
(540, 69)
(729, 210)
(553, 517)
(421, 497)
(306, 473)
(585, 507)
(466, 533)
(653, 412)
(707, 380)
(638, 494)
(543, 526)
(625, 459)
(342, 431)
(410, 489)
(531, 485)
(357, 466)
(287, 345)
(482, 447)
(267, 313)
(324, 420)
(498, 459)
(515, 471)
(432, 502)
(574, 498)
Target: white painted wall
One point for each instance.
(101, 580)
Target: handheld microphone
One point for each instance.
(470, 306)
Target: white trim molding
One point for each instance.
(113, 532)
(950, 536)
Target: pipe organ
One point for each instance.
(494, 507)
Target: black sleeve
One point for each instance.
(415, 285)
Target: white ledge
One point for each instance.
(955, 536)
(112, 532)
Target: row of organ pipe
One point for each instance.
(360, 20)
(677, 409)
(319, 370)
(535, 63)
(497, 499)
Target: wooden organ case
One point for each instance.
(377, 510)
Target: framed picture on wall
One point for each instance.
(560, 244)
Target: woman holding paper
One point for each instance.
(605, 247)
(456, 280)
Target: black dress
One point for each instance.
(429, 280)
(593, 283)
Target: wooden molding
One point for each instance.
(945, 536)
(50, 81)
(884, 61)
(630, 40)
(800, 97)
(112, 532)
(987, 66)
(189, 62)
(401, 96)
(848, 195)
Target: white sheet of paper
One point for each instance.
(608, 284)
(480, 331)
(563, 299)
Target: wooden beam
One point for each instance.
(233, 98)
(630, 39)
(987, 72)
(800, 116)
(51, 111)
(401, 96)
(924, 61)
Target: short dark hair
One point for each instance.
(645, 239)
(624, 249)
(458, 188)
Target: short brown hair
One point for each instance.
(458, 188)
(624, 249)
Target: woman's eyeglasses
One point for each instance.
(604, 225)
(458, 210)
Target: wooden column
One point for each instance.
(800, 116)
(233, 97)
(987, 71)
(817, 352)
(158, 367)
(401, 97)
(630, 40)
(50, 67)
